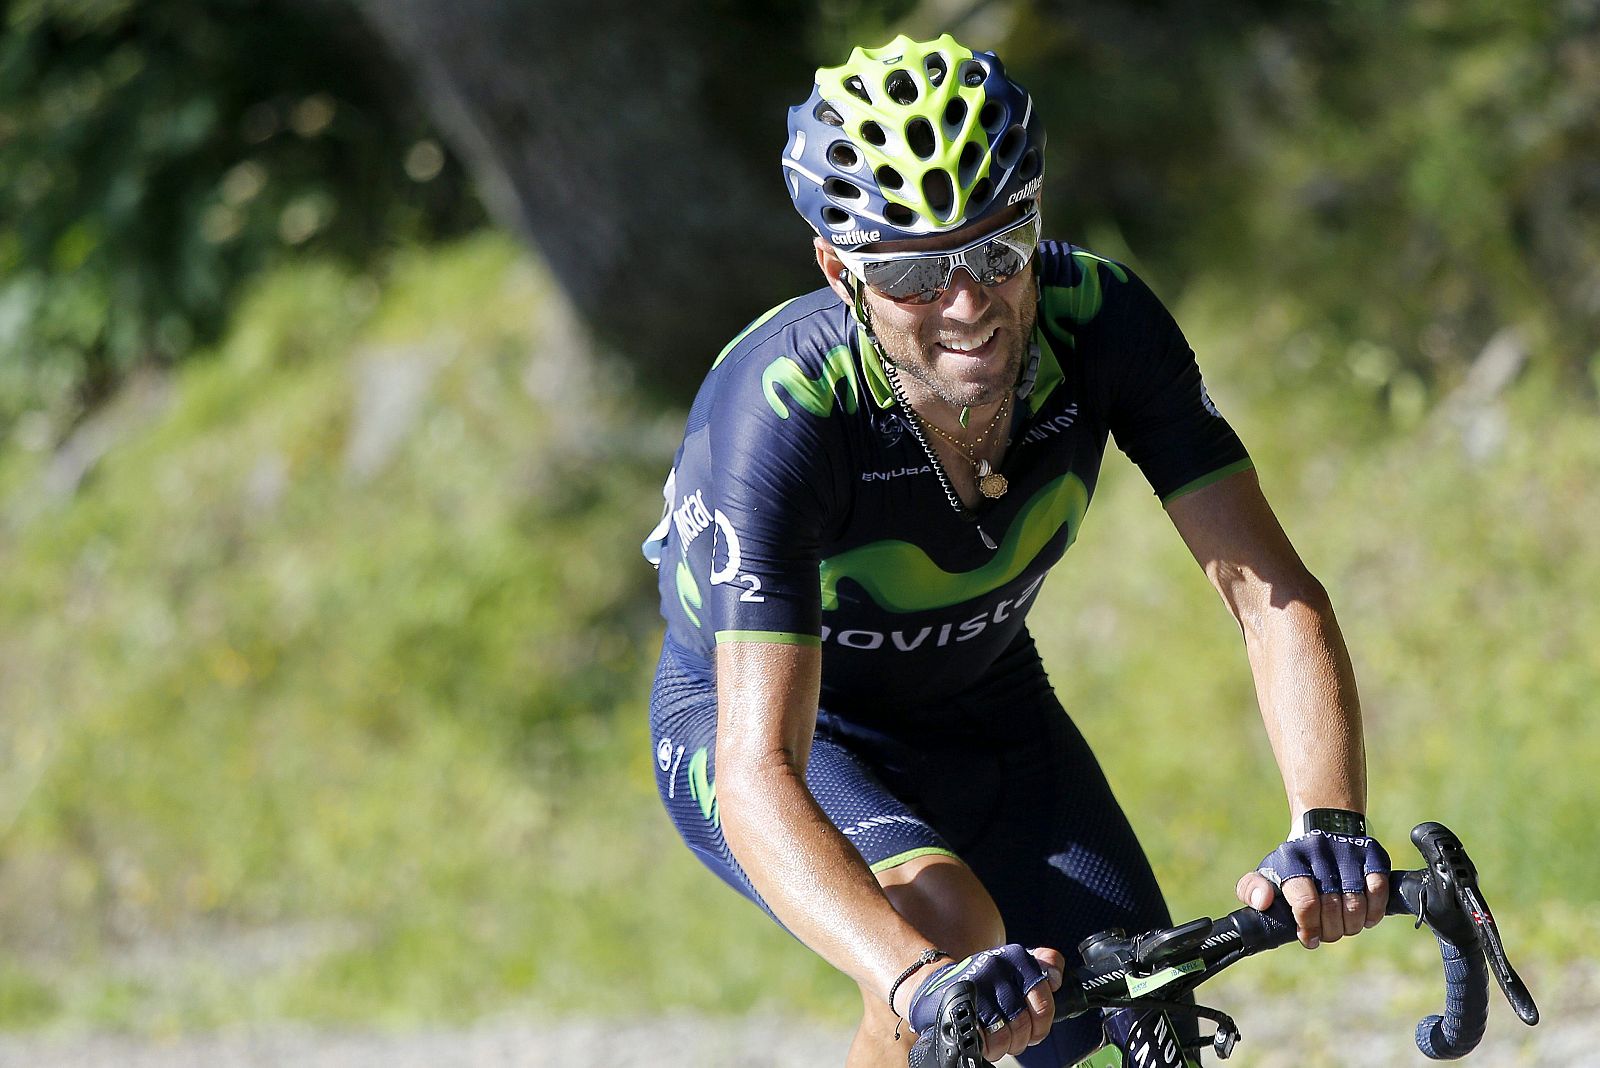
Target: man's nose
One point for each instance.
(967, 298)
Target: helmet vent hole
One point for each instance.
(900, 87)
(919, 135)
(954, 113)
(857, 88)
(889, 178)
(1010, 147)
(826, 113)
(973, 74)
(971, 156)
(1029, 167)
(937, 69)
(991, 117)
(839, 189)
(843, 154)
(836, 217)
(939, 191)
(982, 192)
(900, 215)
(873, 134)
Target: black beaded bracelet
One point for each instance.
(927, 957)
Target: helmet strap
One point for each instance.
(858, 301)
(1030, 369)
(858, 306)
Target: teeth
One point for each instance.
(958, 346)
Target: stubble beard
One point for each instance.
(912, 356)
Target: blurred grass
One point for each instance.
(249, 690)
(290, 733)
(1458, 548)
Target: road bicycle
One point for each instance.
(1152, 973)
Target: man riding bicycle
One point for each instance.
(852, 726)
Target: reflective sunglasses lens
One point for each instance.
(923, 279)
(917, 280)
(995, 263)
(1008, 252)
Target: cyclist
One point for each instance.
(851, 724)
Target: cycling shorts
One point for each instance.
(998, 776)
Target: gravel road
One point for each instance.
(1279, 1032)
(685, 1043)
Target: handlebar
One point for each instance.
(1119, 971)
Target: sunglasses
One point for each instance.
(923, 277)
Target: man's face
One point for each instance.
(965, 348)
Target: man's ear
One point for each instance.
(832, 268)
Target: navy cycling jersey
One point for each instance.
(801, 509)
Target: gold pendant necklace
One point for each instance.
(991, 483)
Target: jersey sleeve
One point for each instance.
(1158, 409)
(775, 453)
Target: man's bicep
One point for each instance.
(1237, 540)
(767, 694)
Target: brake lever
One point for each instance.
(1511, 984)
(1450, 870)
(1454, 874)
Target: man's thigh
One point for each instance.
(888, 834)
(1003, 836)
(1018, 795)
(1060, 857)
(1023, 802)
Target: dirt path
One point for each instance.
(669, 1043)
(1362, 1027)
(685, 1043)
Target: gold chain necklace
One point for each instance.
(991, 483)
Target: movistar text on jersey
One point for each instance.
(934, 634)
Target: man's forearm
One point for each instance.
(810, 875)
(1304, 684)
(1306, 688)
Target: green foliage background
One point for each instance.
(152, 156)
(296, 726)
(391, 724)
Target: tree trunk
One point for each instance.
(636, 146)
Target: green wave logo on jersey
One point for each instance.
(901, 577)
(747, 331)
(703, 788)
(688, 592)
(1081, 302)
(815, 395)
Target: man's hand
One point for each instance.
(1016, 996)
(1336, 884)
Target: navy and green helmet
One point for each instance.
(911, 139)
